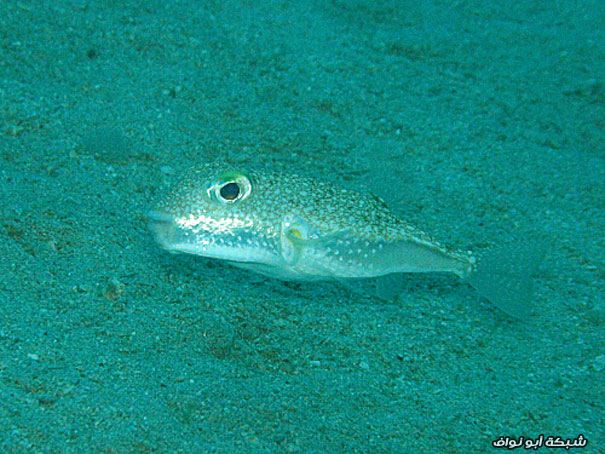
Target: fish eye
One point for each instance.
(230, 191)
(229, 187)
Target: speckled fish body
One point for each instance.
(293, 228)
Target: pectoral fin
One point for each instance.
(298, 236)
(294, 234)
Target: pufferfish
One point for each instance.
(296, 228)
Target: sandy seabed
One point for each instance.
(480, 122)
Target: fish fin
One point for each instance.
(504, 276)
(298, 235)
(295, 234)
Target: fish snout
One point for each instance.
(155, 216)
(164, 229)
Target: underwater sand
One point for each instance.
(480, 122)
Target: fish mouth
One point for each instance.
(178, 237)
(175, 237)
(167, 234)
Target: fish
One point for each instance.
(297, 228)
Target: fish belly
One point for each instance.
(361, 258)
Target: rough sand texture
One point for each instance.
(480, 121)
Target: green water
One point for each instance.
(482, 122)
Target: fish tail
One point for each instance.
(504, 277)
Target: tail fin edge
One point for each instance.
(504, 277)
